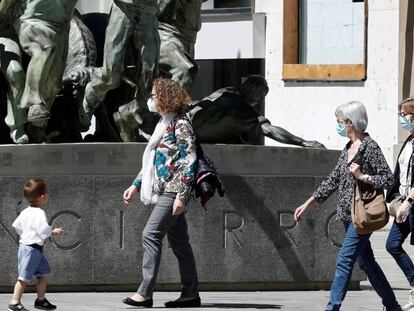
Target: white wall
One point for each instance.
(231, 40)
(88, 6)
(307, 109)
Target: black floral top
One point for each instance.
(369, 156)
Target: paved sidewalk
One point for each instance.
(365, 300)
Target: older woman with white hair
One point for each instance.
(361, 160)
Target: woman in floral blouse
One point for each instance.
(361, 160)
(166, 180)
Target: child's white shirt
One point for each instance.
(32, 226)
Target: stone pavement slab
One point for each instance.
(364, 300)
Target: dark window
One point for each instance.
(225, 4)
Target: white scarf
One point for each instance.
(148, 196)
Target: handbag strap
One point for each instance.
(357, 189)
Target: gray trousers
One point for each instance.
(162, 222)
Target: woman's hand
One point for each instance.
(299, 212)
(178, 207)
(301, 209)
(129, 194)
(403, 212)
(355, 169)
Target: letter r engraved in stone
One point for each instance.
(58, 245)
(233, 222)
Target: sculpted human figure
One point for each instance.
(63, 125)
(131, 21)
(43, 35)
(11, 68)
(178, 24)
(228, 115)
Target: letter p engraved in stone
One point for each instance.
(286, 223)
(69, 246)
(233, 222)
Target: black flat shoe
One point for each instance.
(145, 303)
(193, 303)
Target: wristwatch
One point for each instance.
(409, 200)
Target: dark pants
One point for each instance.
(160, 223)
(396, 238)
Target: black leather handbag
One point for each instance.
(207, 179)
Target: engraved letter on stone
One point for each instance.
(232, 222)
(53, 219)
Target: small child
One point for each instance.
(32, 227)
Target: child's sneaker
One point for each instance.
(43, 304)
(17, 307)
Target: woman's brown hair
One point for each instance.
(170, 96)
(408, 101)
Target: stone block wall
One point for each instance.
(246, 240)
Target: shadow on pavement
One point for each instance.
(240, 306)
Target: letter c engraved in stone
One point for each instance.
(58, 245)
(231, 226)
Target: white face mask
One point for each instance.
(151, 105)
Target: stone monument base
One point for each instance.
(247, 240)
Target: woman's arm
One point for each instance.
(301, 209)
(382, 177)
(404, 210)
(138, 180)
(331, 182)
(326, 188)
(133, 189)
(187, 162)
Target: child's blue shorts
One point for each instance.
(31, 262)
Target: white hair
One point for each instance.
(356, 112)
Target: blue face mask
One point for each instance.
(341, 129)
(406, 124)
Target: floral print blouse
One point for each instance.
(175, 160)
(369, 156)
